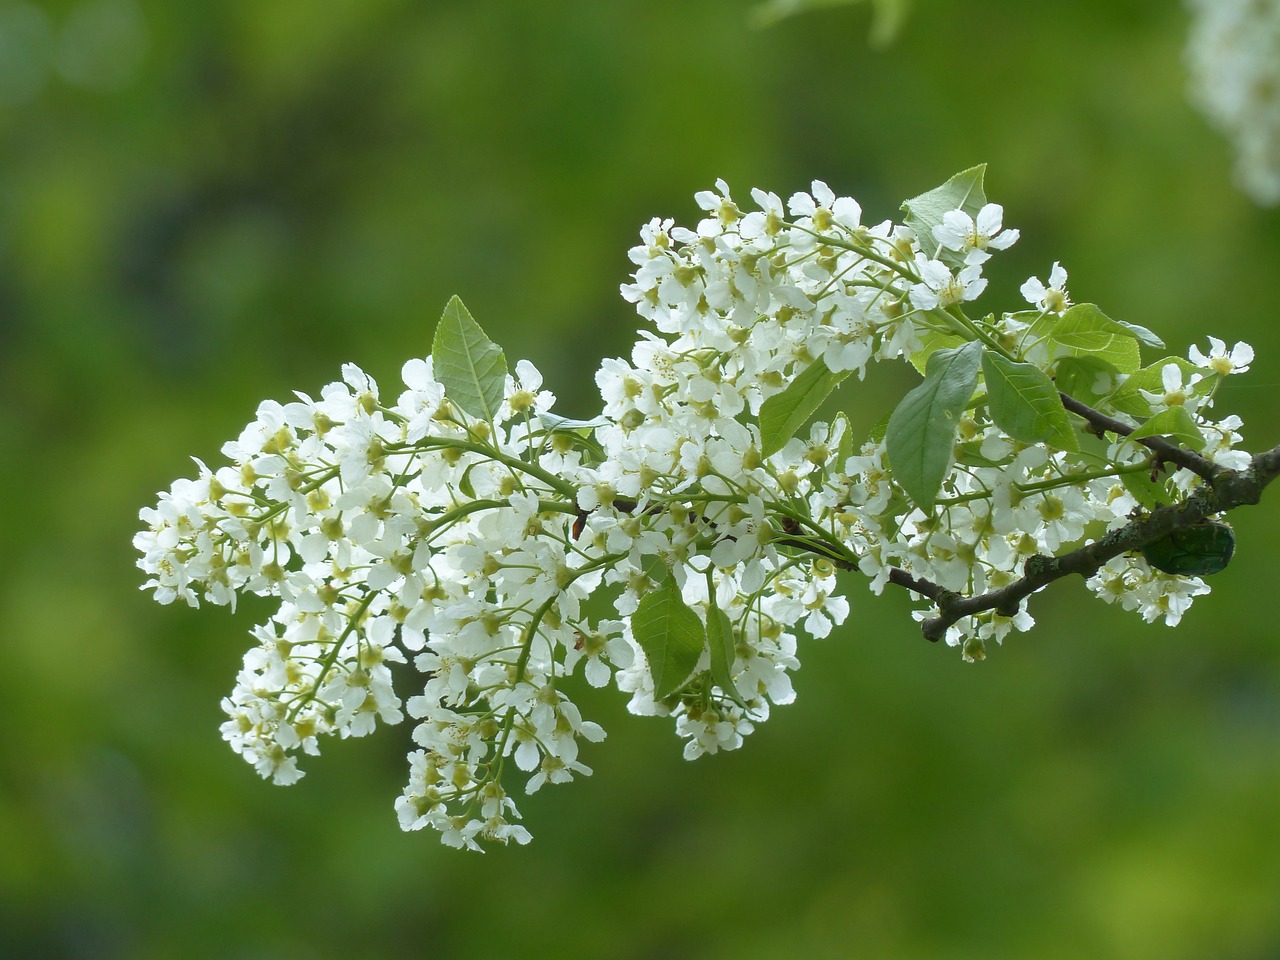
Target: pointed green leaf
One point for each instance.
(961, 192)
(655, 568)
(1085, 331)
(1150, 493)
(786, 412)
(931, 342)
(1088, 379)
(671, 636)
(1025, 404)
(922, 429)
(880, 428)
(471, 367)
(723, 653)
(554, 423)
(844, 446)
(465, 486)
(1173, 422)
(1142, 333)
(1129, 398)
(581, 433)
(970, 454)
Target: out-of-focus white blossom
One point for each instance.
(1233, 54)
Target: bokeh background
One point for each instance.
(206, 204)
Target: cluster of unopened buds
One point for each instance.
(676, 545)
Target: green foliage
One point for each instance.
(1025, 404)
(721, 647)
(1175, 422)
(554, 423)
(1129, 398)
(1148, 337)
(580, 432)
(1150, 491)
(1088, 379)
(471, 367)
(841, 425)
(786, 412)
(1085, 331)
(671, 636)
(931, 342)
(961, 192)
(922, 428)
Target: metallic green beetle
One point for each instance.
(1195, 551)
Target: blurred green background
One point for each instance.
(206, 204)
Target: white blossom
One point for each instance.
(1233, 55)
(974, 237)
(1051, 297)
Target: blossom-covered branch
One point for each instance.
(1165, 450)
(678, 544)
(1231, 489)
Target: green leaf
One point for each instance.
(671, 636)
(1024, 403)
(1085, 331)
(844, 448)
(579, 432)
(1150, 493)
(970, 454)
(723, 653)
(922, 429)
(655, 567)
(465, 486)
(880, 428)
(933, 341)
(1088, 379)
(961, 192)
(553, 423)
(1142, 333)
(1173, 422)
(786, 412)
(1129, 398)
(471, 367)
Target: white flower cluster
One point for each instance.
(1233, 53)
(354, 514)
(498, 554)
(751, 299)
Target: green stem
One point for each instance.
(959, 316)
(864, 251)
(475, 506)
(332, 656)
(1066, 480)
(306, 488)
(831, 546)
(560, 485)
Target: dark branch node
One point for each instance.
(1224, 490)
